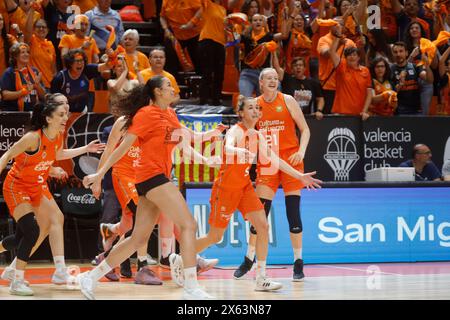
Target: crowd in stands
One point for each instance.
(363, 57)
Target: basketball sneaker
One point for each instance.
(298, 271)
(19, 288)
(8, 275)
(176, 268)
(245, 267)
(147, 277)
(96, 261)
(87, 285)
(204, 264)
(112, 275)
(125, 269)
(60, 277)
(265, 284)
(196, 294)
(164, 262)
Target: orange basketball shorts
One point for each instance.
(225, 201)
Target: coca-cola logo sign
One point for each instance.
(81, 199)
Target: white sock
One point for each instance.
(60, 263)
(298, 254)
(114, 228)
(19, 274)
(166, 247)
(13, 263)
(142, 258)
(98, 272)
(260, 268)
(251, 250)
(190, 278)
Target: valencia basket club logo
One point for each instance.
(341, 153)
(84, 129)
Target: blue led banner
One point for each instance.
(345, 225)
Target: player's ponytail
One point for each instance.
(140, 96)
(240, 103)
(39, 116)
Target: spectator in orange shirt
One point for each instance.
(354, 92)
(181, 19)
(298, 43)
(135, 59)
(413, 35)
(409, 12)
(327, 74)
(18, 13)
(80, 40)
(43, 55)
(157, 63)
(212, 51)
(384, 99)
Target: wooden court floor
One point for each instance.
(405, 281)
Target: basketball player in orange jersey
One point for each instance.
(281, 116)
(49, 216)
(158, 130)
(233, 188)
(124, 177)
(26, 192)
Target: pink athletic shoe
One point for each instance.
(147, 277)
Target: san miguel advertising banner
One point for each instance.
(343, 225)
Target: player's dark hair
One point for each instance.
(140, 96)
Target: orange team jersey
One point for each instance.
(147, 74)
(234, 172)
(154, 128)
(276, 124)
(43, 57)
(352, 91)
(26, 180)
(126, 166)
(325, 64)
(233, 188)
(71, 41)
(214, 15)
(142, 60)
(383, 108)
(178, 13)
(19, 17)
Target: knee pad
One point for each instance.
(11, 242)
(267, 205)
(30, 229)
(293, 214)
